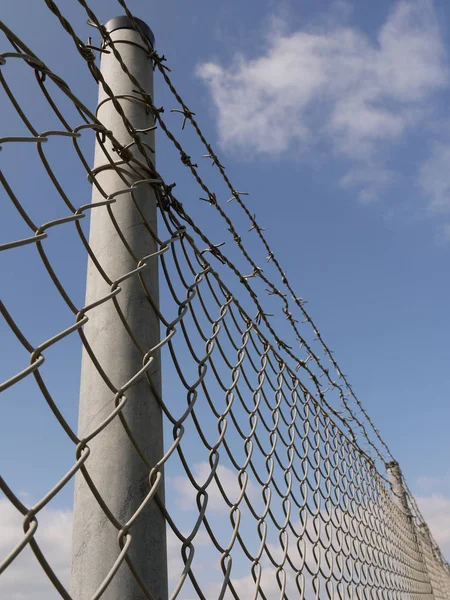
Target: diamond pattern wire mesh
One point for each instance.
(279, 467)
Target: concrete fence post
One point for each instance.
(117, 470)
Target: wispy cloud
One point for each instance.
(436, 510)
(25, 578)
(334, 86)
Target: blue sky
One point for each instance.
(333, 116)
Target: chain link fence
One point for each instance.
(220, 451)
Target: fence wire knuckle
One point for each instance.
(295, 493)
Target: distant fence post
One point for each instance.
(397, 487)
(115, 467)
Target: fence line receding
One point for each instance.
(220, 450)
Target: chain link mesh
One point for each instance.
(280, 469)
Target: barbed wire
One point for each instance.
(309, 512)
(271, 256)
(176, 205)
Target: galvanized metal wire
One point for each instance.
(309, 511)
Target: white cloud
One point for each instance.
(436, 511)
(24, 578)
(335, 86)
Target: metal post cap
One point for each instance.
(123, 22)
